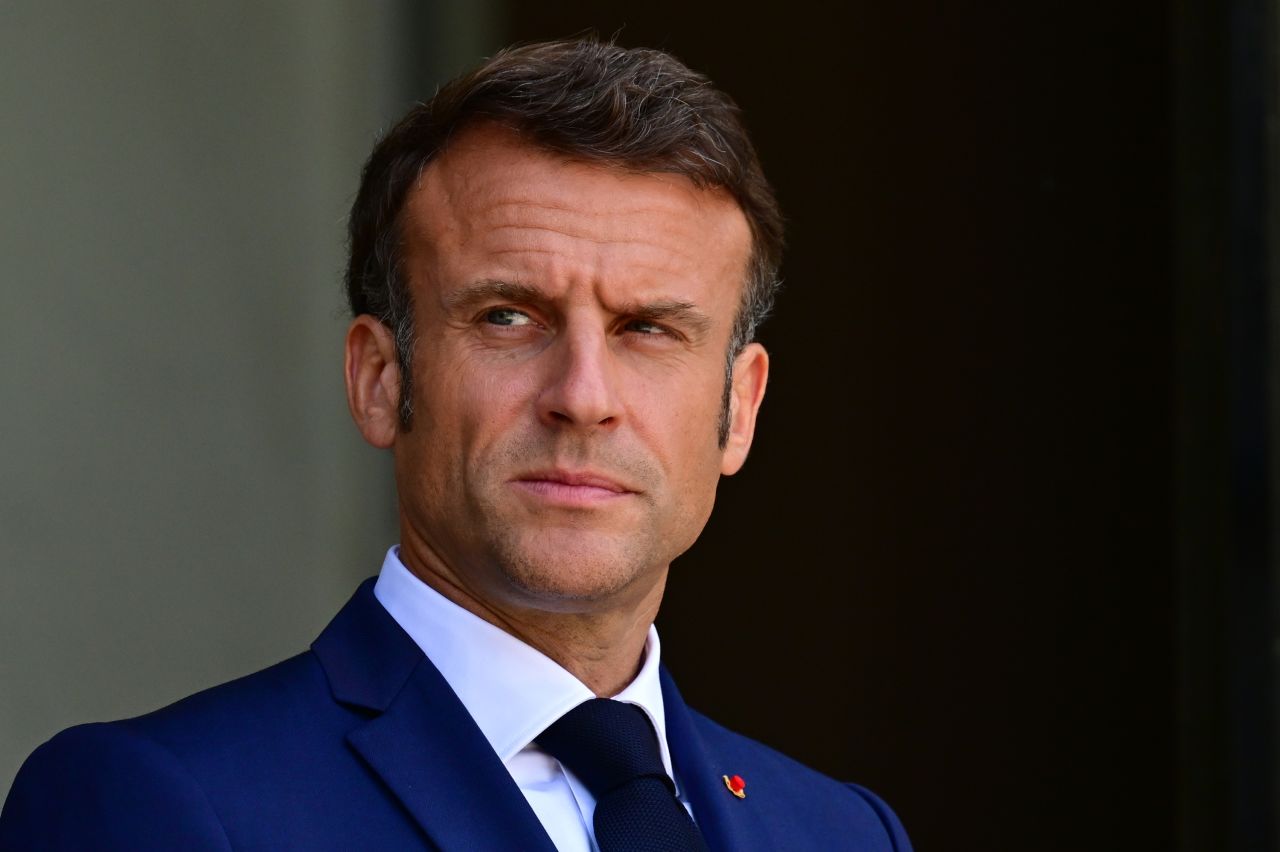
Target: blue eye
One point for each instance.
(506, 316)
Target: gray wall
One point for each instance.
(182, 496)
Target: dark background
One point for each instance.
(983, 555)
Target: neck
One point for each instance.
(601, 643)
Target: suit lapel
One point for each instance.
(729, 824)
(427, 749)
(422, 742)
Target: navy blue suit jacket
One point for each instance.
(361, 744)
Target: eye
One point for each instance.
(645, 327)
(507, 316)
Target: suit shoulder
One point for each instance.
(298, 676)
(209, 716)
(179, 768)
(825, 800)
(892, 824)
(105, 786)
(269, 701)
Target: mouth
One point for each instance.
(571, 488)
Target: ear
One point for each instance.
(373, 380)
(750, 375)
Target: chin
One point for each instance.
(564, 572)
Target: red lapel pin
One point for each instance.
(736, 785)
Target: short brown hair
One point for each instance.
(638, 108)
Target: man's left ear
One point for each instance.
(750, 375)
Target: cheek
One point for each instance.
(686, 426)
(695, 493)
(689, 408)
(467, 410)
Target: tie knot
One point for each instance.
(606, 744)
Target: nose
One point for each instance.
(581, 387)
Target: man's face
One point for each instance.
(572, 326)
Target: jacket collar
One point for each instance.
(420, 740)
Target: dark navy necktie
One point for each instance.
(612, 748)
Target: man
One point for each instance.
(557, 268)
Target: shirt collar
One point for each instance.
(512, 691)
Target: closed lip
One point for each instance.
(587, 478)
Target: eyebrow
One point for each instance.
(488, 290)
(684, 314)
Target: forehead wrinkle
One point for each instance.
(558, 232)
(676, 253)
(653, 274)
(612, 223)
(633, 197)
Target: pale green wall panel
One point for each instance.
(182, 496)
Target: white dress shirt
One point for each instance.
(514, 692)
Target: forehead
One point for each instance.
(491, 197)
